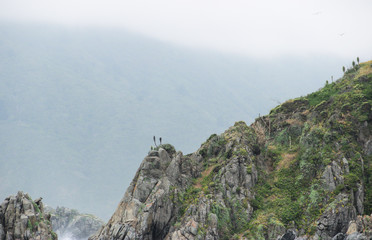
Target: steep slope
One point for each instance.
(306, 166)
(303, 170)
(83, 104)
(23, 218)
(72, 225)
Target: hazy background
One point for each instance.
(257, 28)
(85, 85)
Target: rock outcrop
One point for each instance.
(302, 172)
(23, 218)
(72, 225)
(163, 200)
(360, 228)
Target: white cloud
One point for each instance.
(259, 28)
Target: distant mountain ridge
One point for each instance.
(80, 107)
(302, 172)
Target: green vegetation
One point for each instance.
(306, 154)
(54, 235)
(29, 225)
(224, 221)
(323, 94)
(36, 207)
(171, 150)
(185, 199)
(301, 148)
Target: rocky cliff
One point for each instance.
(301, 172)
(72, 225)
(24, 218)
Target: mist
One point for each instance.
(261, 29)
(85, 85)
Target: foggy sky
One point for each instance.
(266, 28)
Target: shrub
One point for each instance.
(351, 180)
(323, 94)
(29, 225)
(224, 222)
(203, 152)
(169, 148)
(256, 149)
(290, 212)
(249, 169)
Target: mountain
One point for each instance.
(69, 224)
(24, 218)
(79, 107)
(301, 172)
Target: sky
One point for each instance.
(266, 28)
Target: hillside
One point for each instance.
(79, 107)
(301, 172)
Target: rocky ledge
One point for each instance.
(24, 218)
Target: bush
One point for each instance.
(203, 152)
(351, 180)
(339, 189)
(323, 94)
(290, 212)
(169, 148)
(223, 215)
(256, 149)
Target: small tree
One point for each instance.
(343, 69)
(358, 60)
(353, 64)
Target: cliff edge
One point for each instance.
(304, 171)
(24, 218)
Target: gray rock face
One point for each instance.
(22, 218)
(339, 236)
(359, 199)
(356, 236)
(368, 147)
(289, 235)
(332, 176)
(145, 210)
(159, 203)
(336, 217)
(70, 224)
